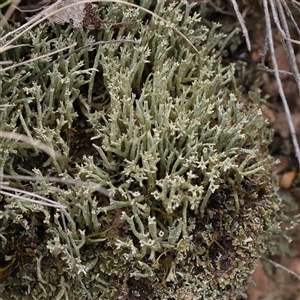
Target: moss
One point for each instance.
(167, 131)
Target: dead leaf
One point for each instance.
(80, 15)
(287, 179)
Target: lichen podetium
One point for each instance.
(167, 131)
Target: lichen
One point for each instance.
(167, 131)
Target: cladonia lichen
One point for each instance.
(166, 131)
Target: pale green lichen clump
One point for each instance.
(167, 131)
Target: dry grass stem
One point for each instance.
(9, 12)
(242, 23)
(23, 63)
(16, 46)
(291, 56)
(77, 182)
(34, 198)
(35, 21)
(29, 140)
(277, 265)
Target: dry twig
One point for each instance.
(280, 12)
